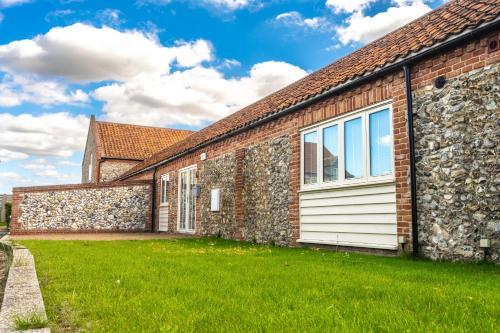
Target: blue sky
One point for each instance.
(175, 63)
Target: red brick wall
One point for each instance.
(452, 63)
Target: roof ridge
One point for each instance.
(144, 126)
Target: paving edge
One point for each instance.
(22, 297)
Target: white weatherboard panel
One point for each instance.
(362, 216)
(163, 225)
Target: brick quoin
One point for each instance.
(452, 63)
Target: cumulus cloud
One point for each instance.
(192, 96)
(57, 135)
(83, 53)
(294, 18)
(364, 29)
(10, 3)
(43, 168)
(349, 6)
(16, 89)
(229, 5)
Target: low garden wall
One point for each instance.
(107, 207)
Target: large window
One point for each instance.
(349, 150)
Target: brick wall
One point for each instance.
(124, 206)
(467, 57)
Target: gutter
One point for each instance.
(413, 177)
(415, 57)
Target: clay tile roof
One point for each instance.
(436, 26)
(135, 142)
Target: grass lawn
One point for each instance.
(221, 286)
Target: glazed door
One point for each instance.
(186, 213)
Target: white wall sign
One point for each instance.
(215, 200)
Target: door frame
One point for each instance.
(179, 190)
(164, 204)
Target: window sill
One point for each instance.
(346, 185)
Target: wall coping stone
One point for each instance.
(80, 186)
(22, 295)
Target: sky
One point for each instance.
(166, 63)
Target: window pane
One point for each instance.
(162, 190)
(330, 153)
(310, 158)
(380, 144)
(353, 149)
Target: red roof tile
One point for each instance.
(135, 142)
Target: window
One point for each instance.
(330, 153)
(89, 178)
(354, 149)
(164, 190)
(310, 158)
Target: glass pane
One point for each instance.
(311, 158)
(191, 200)
(162, 190)
(353, 149)
(330, 154)
(380, 144)
(182, 208)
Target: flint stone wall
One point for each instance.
(110, 170)
(83, 208)
(266, 192)
(457, 129)
(219, 173)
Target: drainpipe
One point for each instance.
(413, 178)
(153, 202)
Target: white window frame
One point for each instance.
(364, 113)
(164, 183)
(186, 231)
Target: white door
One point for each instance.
(186, 213)
(163, 216)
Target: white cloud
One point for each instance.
(349, 6)
(56, 134)
(385, 140)
(229, 5)
(296, 19)
(110, 16)
(150, 83)
(83, 53)
(7, 155)
(16, 89)
(192, 96)
(68, 163)
(364, 29)
(43, 168)
(10, 3)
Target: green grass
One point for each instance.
(31, 322)
(220, 286)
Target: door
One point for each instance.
(186, 214)
(163, 216)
